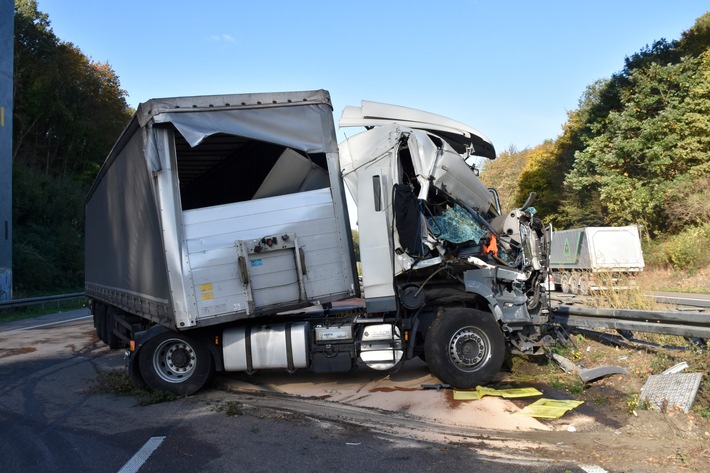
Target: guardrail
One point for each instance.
(669, 323)
(15, 303)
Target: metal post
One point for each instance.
(7, 28)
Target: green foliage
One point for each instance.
(686, 251)
(543, 174)
(68, 111)
(230, 408)
(502, 174)
(637, 149)
(28, 312)
(119, 383)
(356, 244)
(647, 149)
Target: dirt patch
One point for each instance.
(612, 428)
(603, 431)
(664, 279)
(5, 352)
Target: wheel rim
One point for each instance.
(583, 286)
(174, 360)
(469, 348)
(565, 285)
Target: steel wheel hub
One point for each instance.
(174, 360)
(467, 349)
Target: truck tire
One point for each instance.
(583, 288)
(175, 363)
(464, 347)
(565, 284)
(100, 320)
(112, 340)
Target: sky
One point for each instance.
(510, 69)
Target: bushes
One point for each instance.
(686, 251)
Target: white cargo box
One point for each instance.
(616, 249)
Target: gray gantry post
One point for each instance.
(7, 27)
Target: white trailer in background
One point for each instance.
(592, 258)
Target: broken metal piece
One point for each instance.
(592, 374)
(585, 374)
(565, 363)
(683, 365)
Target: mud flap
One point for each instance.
(134, 370)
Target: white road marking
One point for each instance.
(52, 323)
(135, 463)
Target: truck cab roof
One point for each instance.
(459, 135)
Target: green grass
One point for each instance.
(230, 408)
(117, 382)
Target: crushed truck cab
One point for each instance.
(434, 245)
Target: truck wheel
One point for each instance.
(565, 284)
(573, 284)
(464, 347)
(175, 363)
(583, 288)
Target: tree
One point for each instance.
(503, 173)
(647, 150)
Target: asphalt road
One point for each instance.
(50, 420)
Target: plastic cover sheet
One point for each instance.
(456, 225)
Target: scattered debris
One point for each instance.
(587, 374)
(682, 366)
(668, 391)
(549, 408)
(592, 374)
(481, 391)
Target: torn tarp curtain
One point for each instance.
(299, 127)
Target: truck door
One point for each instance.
(374, 219)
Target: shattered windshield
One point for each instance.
(456, 225)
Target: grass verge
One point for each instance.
(117, 382)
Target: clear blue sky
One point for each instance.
(511, 69)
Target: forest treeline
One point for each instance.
(635, 151)
(68, 111)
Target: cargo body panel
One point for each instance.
(196, 188)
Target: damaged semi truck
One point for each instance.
(218, 239)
